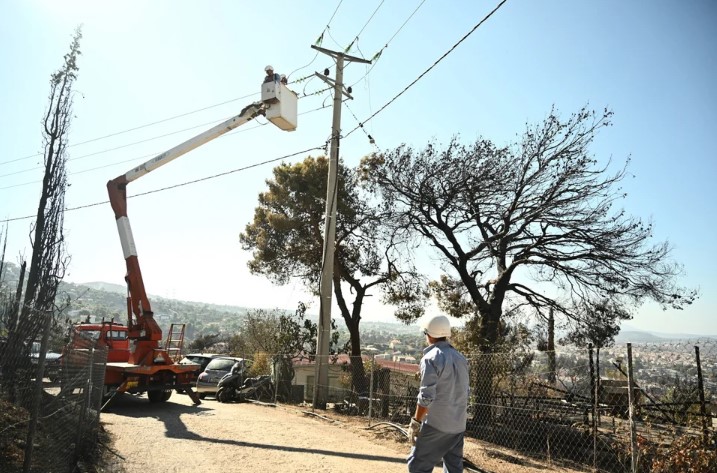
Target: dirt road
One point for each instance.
(214, 437)
(179, 437)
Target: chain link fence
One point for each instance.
(572, 408)
(49, 402)
(569, 408)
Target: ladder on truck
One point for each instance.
(175, 341)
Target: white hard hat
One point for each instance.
(437, 327)
(268, 68)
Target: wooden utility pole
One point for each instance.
(321, 378)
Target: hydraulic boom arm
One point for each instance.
(142, 326)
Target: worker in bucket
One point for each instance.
(271, 76)
(438, 427)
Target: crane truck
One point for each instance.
(143, 365)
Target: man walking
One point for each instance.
(439, 424)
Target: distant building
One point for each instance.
(404, 359)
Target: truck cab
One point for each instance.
(108, 335)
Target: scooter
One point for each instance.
(230, 383)
(233, 388)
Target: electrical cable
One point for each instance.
(110, 135)
(146, 125)
(348, 48)
(378, 54)
(318, 42)
(370, 138)
(240, 130)
(137, 127)
(328, 30)
(186, 113)
(349, 133)
(360, 125)
(146, 139)
(214, 122)
(182, 184)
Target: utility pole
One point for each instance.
(321, 378)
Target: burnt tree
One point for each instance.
(49, 259)
(507, 222)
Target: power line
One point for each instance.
(213, 122)
(157, 122)
(334, 14)
(378, 54)
(348, 48)
(360, 125)
(151, 154)
(201, 179)
(318, 40)
(136, 127)
(146, 125)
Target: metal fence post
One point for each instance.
(37, 395)
(597, 386)
(276, 377)
(593, 399)
(83, 412)
(370, 389)
(631, 410)
(701, 389)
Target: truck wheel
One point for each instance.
(159, 396)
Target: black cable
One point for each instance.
(135, 128)
(348, 48)
(378, 54)
(138, 142)
(361, 124)
(146, 125)
(213, 176)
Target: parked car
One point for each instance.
(53, 362)
(217, 367)
(201, 359)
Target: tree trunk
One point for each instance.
(359, 383)
(484, 371)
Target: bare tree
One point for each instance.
(511, 223)
(49, 259)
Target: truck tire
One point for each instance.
(159, 396)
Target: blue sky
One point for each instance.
(651, 62)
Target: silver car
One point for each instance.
(218, 367)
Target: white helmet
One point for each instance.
(437, 327)
(268, 68)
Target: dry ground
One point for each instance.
(214, 437)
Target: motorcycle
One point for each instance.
(232, 387)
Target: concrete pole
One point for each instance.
(321, 378)
(321, 386)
